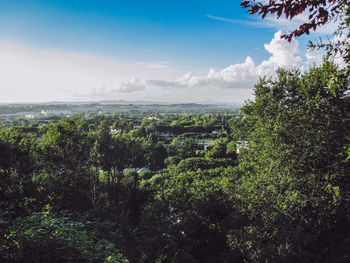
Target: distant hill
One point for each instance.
(67, 108)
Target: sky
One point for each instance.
(166, 51)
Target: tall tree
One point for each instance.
(63, 153)
(294, 186)
(16, 168)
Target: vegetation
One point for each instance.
(71, 190)
(269, 183)
(318, 13)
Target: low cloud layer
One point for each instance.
(33, 74)
(237, 76)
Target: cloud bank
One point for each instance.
(34, 74)
(237, 76)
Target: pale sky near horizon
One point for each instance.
(173, 51)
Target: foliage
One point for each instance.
(44, 237)
(200, 212)
(17, 166)
(195, 163)
(285, 199)
(320, 12)
(294, 180)
(63, 154)
(221, 148)
(185, 148)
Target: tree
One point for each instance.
(17, 166)
(294, 180)
(220, 148)
(45, 237)
(320, 11)
(200, 212)
(64, 156)
(189, 148)
(155, 154)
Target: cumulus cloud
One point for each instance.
(33, 74)
(316, 56)
(283, 54)
(117, 90)
(134, 84)
(36, 74)
(237, 76)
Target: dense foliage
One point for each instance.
(294, 180)
(72, 190)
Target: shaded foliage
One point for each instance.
(294, 179)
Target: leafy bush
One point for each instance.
(44, 237)
(195, 163)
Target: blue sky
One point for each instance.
(172, 37)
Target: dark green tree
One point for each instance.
(17, 166)
(294, 185)
(64, 156)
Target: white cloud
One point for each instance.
(35, 74)
(283, 54)
(287, 25)
(237, 76)
(219, 18)
(282, 23)
(316, 56)
(234, 75)
(134, 84)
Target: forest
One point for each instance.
(72, 190)
(268, 183)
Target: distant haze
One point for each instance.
(114, 50)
